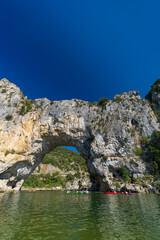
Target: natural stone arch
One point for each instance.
(102, 134)
(43, 140)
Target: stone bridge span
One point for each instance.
(103, 134)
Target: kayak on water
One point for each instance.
(111, 192)
(127, 193)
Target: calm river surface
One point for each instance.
(57, 215)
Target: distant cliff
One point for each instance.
(108, 134)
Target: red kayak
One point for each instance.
(111, 192)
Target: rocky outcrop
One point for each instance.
(106, 135)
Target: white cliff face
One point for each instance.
(105, 136)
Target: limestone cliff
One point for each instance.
(106, 134)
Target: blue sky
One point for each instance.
(85, 49)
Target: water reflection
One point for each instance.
(130, 217)
(8, 216)
(57, 215)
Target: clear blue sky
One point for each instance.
(85, 49)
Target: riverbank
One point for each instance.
(42, 189)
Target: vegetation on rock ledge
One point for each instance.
(151, 148)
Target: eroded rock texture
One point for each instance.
(105, 135)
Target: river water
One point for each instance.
(97, 216)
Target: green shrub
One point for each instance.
(148, 178)
(42, 180)
(27, 106)
(92, 157)
(7, 152)
(155, 168)
(104, 158)
(152, 148)
(154, 103)
(39, 169)
(9, 117)
(15, 104)
(125, 174)
(144, 185)
(118, 185)
(22, 110)
(138, 151)
(125, 119)
(3, 90)
(80, 184)
(92, 104)
(70, 177)
(77, 175)
(154, 88)
(157, 185)
(145, 140)
(122, 142)
(103, 101)
(134, 180)
(118, 99)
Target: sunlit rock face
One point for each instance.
(105, 135)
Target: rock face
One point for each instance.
(106, 135)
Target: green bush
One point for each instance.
(9, 117)
(38, 170)
(80, 184)
(125, 174)
(48, 181)
(103, 101)
(152, 148)
(144, 140)
(92, 104)
(154, 103)
(22, 110)
(104, 158)
(154, 88)
(118, 185)
(77, 175)
(138, 151)
(92, 157)
(3, 90)
(7, 152)
(155, 168)
(134, 180)
(144, 185)
(70, 177)
(157, 185)
(118, 99)
(27, 106)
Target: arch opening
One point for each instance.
(63, 167)
(14, 176)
